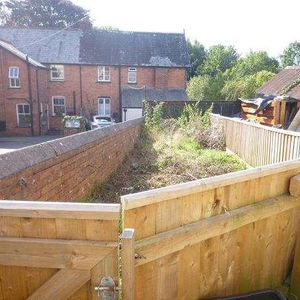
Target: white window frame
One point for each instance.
(131, 71)
(25, 114)
(62, 78)
(102, 73)
(104, 101)
(15, 78)
(58, 97)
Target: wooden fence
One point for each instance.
(56, 250)
(213, 237)
(218, 236)
(257, 144)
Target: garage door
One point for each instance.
(132, 113)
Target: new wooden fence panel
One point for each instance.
(69, 223)
(255, 256)
(257, 144)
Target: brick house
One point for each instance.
(81, 72)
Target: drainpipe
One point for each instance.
(120, 96)
(30, 94)
(74, 102)
(38, 99)
(80, 83)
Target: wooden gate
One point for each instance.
(56, 250)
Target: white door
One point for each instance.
(104, 107)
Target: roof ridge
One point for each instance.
(95, 29)
(38, 28)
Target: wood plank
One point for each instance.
(295, 186)
(62, 285)
(162, 244)
(184, 189)
(51, 253)
(128, 264)
(295, 282)
(64, 210)
(295, 122)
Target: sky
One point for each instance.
(245, 24)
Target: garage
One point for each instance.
(132, 99)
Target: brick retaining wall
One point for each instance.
(67, 168)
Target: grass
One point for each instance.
(164, 156)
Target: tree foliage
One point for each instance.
(253, 63)
(219, 59)
(204, 87)
(197, 55)
(245, 87)
(223, 75)
(291, 55)
(41, 13)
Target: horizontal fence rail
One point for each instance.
(218, 236)
(56, 250)
(259, 145)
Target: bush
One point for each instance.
(153, 115)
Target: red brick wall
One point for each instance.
(66, 169)
(92, 89)
(10, 97)
(70, 89)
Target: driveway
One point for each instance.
(8, 144)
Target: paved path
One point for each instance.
(8, 144)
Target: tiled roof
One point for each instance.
(133, 97)
(100, 47)
(9, 47)
(282, 80)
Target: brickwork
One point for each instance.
(80, 89)
(10, 97)
(67, 168)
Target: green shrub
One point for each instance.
(153, 115)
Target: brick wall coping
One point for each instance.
(18, 160)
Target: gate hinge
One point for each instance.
(107, 289)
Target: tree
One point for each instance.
(291, 55)
(197, 55)
(245, 87)
(219, 58)
(204, 87)
(253, 63)
(42, 13)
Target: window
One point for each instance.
(103, 73)
(57, 72)
(23, 115)
(14, 77)
(58, 106)
(131, 75)
(104, 106)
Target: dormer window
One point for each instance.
(131, 75)
(103, 74)
(14, 77)
(57, 73)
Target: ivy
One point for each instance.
(286, 89)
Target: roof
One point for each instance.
(9, 47)
(133, 97)
(284, 80)
(100, 47)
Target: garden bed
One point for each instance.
(169, 153)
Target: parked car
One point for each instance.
(99, 122)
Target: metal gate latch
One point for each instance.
(107, 289)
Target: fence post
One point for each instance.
(127, 263)
(295, 283)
